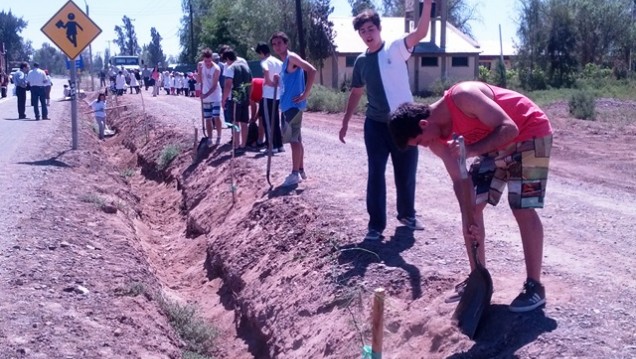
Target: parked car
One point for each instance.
(13, 70)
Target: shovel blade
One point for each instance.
(474, 301)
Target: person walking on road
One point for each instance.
(512, 138)
(20, 81)
(293, 102)
(382, 70)
(37, 81)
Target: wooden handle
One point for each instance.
(377, 326)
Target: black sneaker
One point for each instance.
(532, 296)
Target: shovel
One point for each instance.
(478, 290)
(203, 143)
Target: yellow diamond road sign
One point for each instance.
(71, 30)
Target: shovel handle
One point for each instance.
(462, 157)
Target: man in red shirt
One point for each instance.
(256, 111)
(512, 138)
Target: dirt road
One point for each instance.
(285, 274)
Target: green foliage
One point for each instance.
(191, 355)
(50, 58)
(132, 289)
(127, 38)
(154, 49)
(169, 153)
(193, 330)
(358, 6)
(323, 99)
(92, 198)
(484, 74)
(439, 86)
(10, 29)
(582, 105)
(321, 33)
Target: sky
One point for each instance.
(165, 16)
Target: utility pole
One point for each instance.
(192, 50)
(301, 33)
(90, 55)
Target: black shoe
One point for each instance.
(532, 296)
(21, 117)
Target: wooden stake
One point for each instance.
(377, 325)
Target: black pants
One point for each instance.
(38, 96)
(147, 82)
(20, 92)
(266, 106)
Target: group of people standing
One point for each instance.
(227, 84)
(39, 83)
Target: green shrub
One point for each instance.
(169, 153)
(192, 329)
(324, 99)
(583, 105)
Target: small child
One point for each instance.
(99, 107)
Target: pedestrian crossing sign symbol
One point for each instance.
(71, 30)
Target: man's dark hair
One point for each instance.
(206, 53)
(222, 49)
(23, 65)
(228, 55)
(279, 35)
(262, 48)
(405, 122)
(365, 16)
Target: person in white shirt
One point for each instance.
(271, 66)
(208, 76)
(166, 82)
(37, 80)
(120, 83)
(99, 107)
(134, 83)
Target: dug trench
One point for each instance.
(277, 273)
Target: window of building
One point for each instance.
(429, 61)
(350, 60)
(459, 61)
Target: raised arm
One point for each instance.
(421, 30)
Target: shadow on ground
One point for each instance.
(501, 332)
(362, 254)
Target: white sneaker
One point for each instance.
(292, 179)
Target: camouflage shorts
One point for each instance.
(522, 166)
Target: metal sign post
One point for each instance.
(71, 30)
(73, 70)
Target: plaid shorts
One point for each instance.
(522, 166)
(211, 109)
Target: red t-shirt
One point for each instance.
(257, 89)
(529, 118)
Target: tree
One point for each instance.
(98, 61)
(106, 58)
(155, 52)
(358, 6)
(532, 44)
(127, 38)
(460, 14)
(50, 59)
(393, 8)
(561, 45)
(10, 29)
(321, 34)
